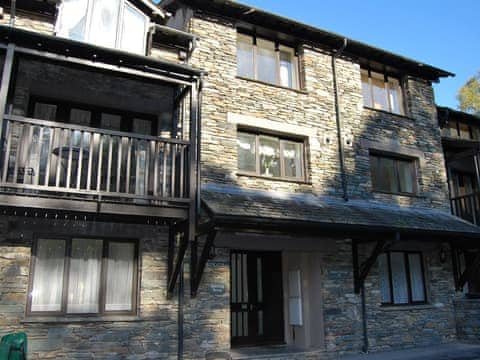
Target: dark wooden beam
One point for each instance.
(470, 271)
(200, 268)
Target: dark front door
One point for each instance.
(256, 298)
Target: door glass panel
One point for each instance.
(141, 126)
(80, 117)
(48, 277)
(84, 279)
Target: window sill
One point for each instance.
(407, 307)
(87, 319)
(414, 195)
(388, 113)
(273, 178)
(300, 91)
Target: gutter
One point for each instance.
(339, 119)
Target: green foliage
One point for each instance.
(469, 96)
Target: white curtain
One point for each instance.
(245, 56)
(84, 279)
(103, 27)
(399, 278)
(120, 273)
(266, 61)
(384, 278)
(133, 30)
(72, 19)
(416, 277)
(48, 277)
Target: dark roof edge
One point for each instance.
(355, 48)
(446, 113)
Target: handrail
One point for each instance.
(59, 125)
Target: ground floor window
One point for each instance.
(83, 276)
(402, 279)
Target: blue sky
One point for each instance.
(442, 33)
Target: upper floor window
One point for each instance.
(271, 156)
(110, 23)
(458, 129)
(266, 61)
(382, 92)
(392, 174)
(402, 279)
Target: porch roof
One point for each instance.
(235, 207)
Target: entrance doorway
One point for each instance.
(256, 298)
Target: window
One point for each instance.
(83, 276)
(382, 92)
(402, 279)
(393, 175)
(110, 23)
(266, 61)
(268, 155)
(472, 287)
(457, 129)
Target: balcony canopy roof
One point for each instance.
(372, 56)
(297, 213)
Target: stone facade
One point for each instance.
(467, 313)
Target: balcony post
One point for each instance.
(5, 85)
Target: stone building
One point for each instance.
(205, 178)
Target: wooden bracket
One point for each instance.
(361, 271)
(198, 266)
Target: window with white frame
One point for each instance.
(266, 61)
(382, 92)
(402, 279)
(83, 276)
(109, 23)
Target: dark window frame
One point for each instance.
(298, 85)
(299, 140)
(64, 108)
(386, 76)
(103, 277)
(409, 281)
(396, 158)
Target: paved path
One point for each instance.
(455, 351)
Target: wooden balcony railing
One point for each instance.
(56, 159)
(467, 207)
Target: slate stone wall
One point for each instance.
(467, 313)
(152, 334)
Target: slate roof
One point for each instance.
(233, 202)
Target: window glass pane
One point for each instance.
(384, 278)
(269, 156)
(104, 23)
(367, 95)
(72, 19)
(464, 131)
(292, 158)
(266, 61)
(395, 94)
(406, 176)
(383, 174)
(111, 122)
(416, 277)
(287, 67)
(44, 111)
(380, 100)
(120, 273)
(399, 278)
(245, 56)
(80, 117)
(84, 277)
(141, 126)
(133, 30)
(246, 152)
(48, 275)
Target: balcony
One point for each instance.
(467, 207)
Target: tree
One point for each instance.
(469, 96)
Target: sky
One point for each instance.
(442, 33)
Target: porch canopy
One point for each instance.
(235, 208)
